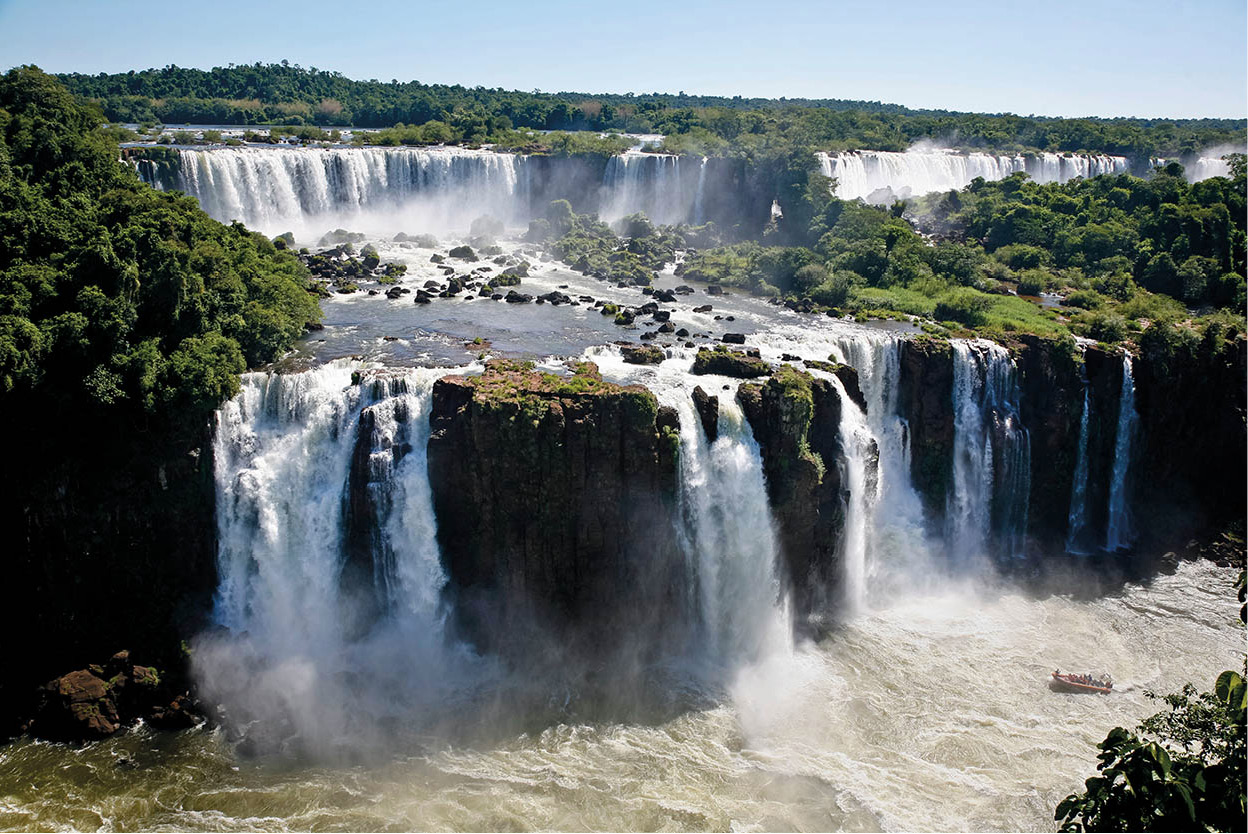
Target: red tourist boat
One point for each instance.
(1072, 682)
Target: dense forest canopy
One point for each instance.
(289, 94)
(115, 299)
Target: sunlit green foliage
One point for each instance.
(116, 298)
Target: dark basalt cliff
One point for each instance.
(926, 401)
(1191, 461)
(555, 500)
(796, 420)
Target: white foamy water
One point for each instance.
(880, 176)
(931, 713)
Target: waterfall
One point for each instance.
(296, 456)
(315, 189)
(650, 183)
(1119, 534)
(727, 531)
(1078, 518)
(699, 212)
(880, 176)
(987, 506)
(860, 454)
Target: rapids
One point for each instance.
(932, 713)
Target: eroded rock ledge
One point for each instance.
(556, 506)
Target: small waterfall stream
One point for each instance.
(1078, 519)
(1120, 531)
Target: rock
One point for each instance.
(661, 315)
(432, 285)
(665, 295)
(422, 297)
(643, 355)
(796, 420)
(555, 298)
(848, 376)
(394, 292)
(705, 308)
(725, 362)
(707, 406)
(648, 335)
(925, 399)
(76, 707)
(436, 259)
(624, 317)
(514, 297)
(667, 327)
(683, 290)
(682, 332)
(733, 338)
(714, 289)
(556, 507)
(464, 253)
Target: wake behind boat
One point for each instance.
(1073, 682)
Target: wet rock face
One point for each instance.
(555, 500)
(926, 401)
(707, 406)
(1051, 406)
(1189, 463)
(796, 421)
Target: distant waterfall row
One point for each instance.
(276, 189)
(880, 176)
(414, 189)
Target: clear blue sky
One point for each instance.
(1058, 57)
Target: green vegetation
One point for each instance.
(285, 94)
(117, 300)
(1123, 253)
(1182, 770)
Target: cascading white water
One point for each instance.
(987, 505)
(1120, 531)
(650, 183)
(1078, 517)
(728, 533)
(699, 210)
(880, 176)
(415, 189)
(293, 639)
(859, 475)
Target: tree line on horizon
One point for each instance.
(286, 94)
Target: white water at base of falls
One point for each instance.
(987, 505)
(1120, 532)
(1078, 517)
(880, 176)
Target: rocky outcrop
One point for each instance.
(1051, 405)
(93, 703)
(847, 374)
(741, 364)
(555, 499)
(707, 406)
(643, 354)
(796, 421)
(926, 401)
